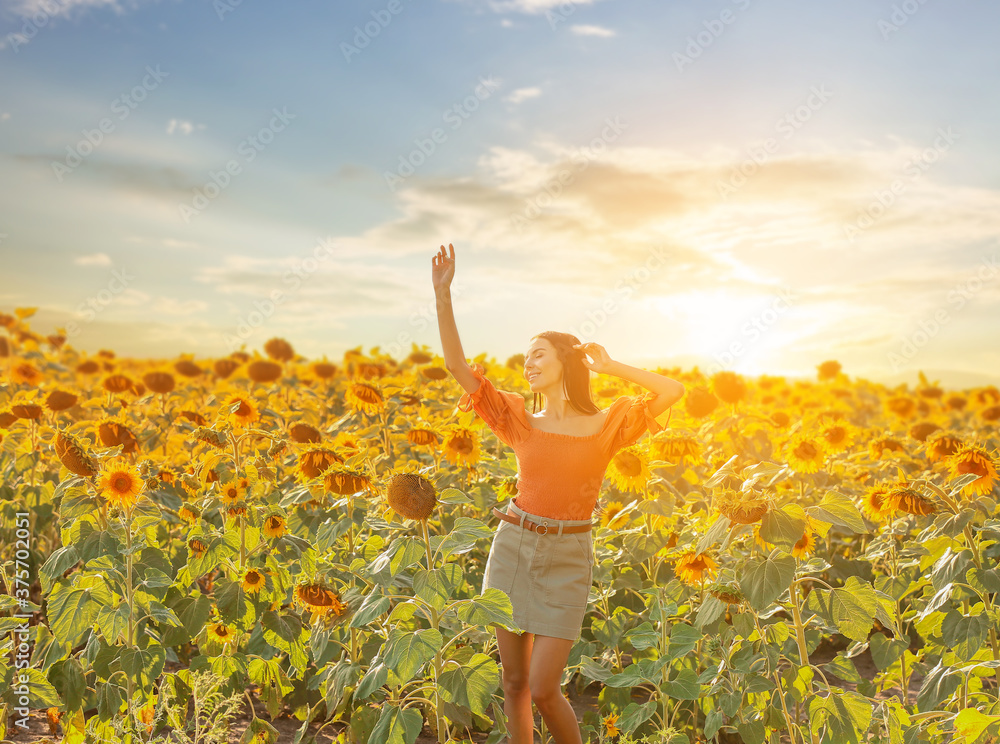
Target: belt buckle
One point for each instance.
(540, 527)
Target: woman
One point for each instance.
(542, 553)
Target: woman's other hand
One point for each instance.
(444, 268)
(602, 360)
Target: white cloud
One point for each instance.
(534, 6)
(182, 126)
(132, 297)
(584, 30)
(523, 94)
(50, 9)
(5, 116)
(94, 259)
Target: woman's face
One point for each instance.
(542, 367)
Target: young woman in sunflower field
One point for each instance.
(542, 554)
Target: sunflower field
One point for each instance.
(788, 561)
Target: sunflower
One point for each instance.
(323, 370)
(315, 462)
(610, 515)
(232, 492)
(838, 436)
(729, 386)
(304, 433)
(877, 446)
(805, 454)
(221, 633)
(74, 457)
(241, 411)
(225, 367)
(113, 433)
(121, 484)
(253, 580)
(807, 543)
(902, 497)
(422, 436)
(675, 446)
(60, 400)
(699, 402)
(263, 370)
(217, 439)
(28, 411)
(279, 350)
(147, 715)
(991, 414)
(729, 593)
(194, 417)
(609, 721)
(343, 481)
(941, 445)
(876, 505)
(320, 600)
(117, 384)
(274, 526)
(197, 547)
(187, 367)
(828, 370)
(411, 495)
(159, 382)
(971, 459)
(629, 469)
(922, 429)
(692, 568)
(26, 373)
(189, 513)
(741, 508)
(365, 397)
(901, 406)
(461, 446)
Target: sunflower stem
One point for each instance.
(427, 543)
(130, 593)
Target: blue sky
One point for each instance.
(752, 185)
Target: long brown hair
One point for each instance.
(576, 375)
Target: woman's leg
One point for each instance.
(548, 661)
(515, 660)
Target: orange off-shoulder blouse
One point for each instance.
(559, 475)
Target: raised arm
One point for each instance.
(442, 273)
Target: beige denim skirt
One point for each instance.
(547, 577)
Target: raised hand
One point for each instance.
(602, 361)
(443, 270)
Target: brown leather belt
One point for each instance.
(541, 529)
